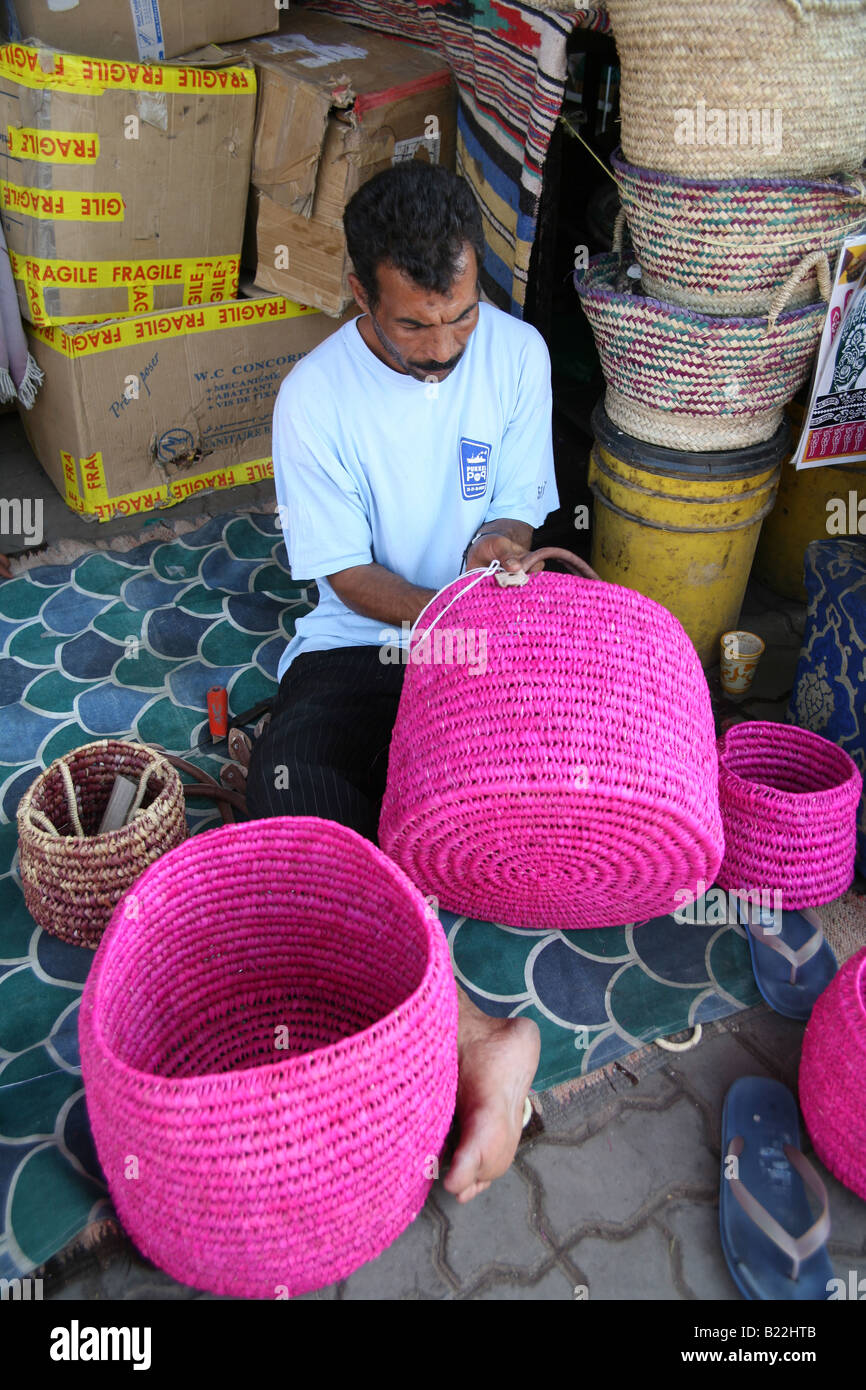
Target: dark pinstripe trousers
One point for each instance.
(325, 750)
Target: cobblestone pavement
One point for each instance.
(615, 1199)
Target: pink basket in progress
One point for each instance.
(568, 779)
(833, 1075)
(269, 1050)
(789, 805)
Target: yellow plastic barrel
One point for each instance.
(680, 527)
(802, 515)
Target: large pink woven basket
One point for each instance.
(571, 782)
(789, 805)
(833, 1075)
(268, 1044)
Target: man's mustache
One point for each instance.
(437, 366)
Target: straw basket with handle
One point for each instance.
(72, 877)
(568, 779)
(724, 246)
(742, 87)
(694, 381)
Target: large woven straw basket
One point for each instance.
(725, 246)
(568, 779)
(832, 1082)
(269, 1051)
(742, 87)
(789, 805)
(694, 381)
(72, 877)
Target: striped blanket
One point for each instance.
(509, 62)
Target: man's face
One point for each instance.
(417, 331)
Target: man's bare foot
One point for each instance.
(497, 1060)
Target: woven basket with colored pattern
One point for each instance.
(832, 1082)
(724, 246)
(789, 804)
(693, 381)
(72, 877)
(269, 1051)
(786, 77)
(563, 774)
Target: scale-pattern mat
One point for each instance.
(128, 643)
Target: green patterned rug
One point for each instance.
(119, 643)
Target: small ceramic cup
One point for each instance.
(740, 654)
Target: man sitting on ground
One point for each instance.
(420, 426)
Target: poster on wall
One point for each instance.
(835, 423)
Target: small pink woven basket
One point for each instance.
(568, 779)
(833, 1075)
(269, 1051)
(789, 806)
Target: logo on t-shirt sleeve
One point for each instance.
(474, 465)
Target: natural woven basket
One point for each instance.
(805, 59)
(832, 1081)
(269, 1051)
(72, 877)
(724, 246)
(695, 381)
(569, 779)
(789, 803)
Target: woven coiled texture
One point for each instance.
(572, 781)
(668, 368)
(805, 59)
(789, 803)
(725, 246)
(269, 1032)
(71, 883)
(832, 1081)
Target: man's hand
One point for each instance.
(508, 548)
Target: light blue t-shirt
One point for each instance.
(371, 465)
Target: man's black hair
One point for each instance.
(417, 216)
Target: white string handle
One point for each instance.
(479, 575)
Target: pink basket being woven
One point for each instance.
(833, 1075)
(269, 1050)
(789, 805)
(568, 779)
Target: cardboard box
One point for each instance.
(148, 30)
(336, 105)
(139, 413)
(123, 186)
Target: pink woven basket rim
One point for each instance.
(801, 736)
(288, 1066)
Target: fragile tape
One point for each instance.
(169, 323)
(97, 503)
(93, 76)
(61, 205)
(70, 481)
(203, 279)
(53, 146)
